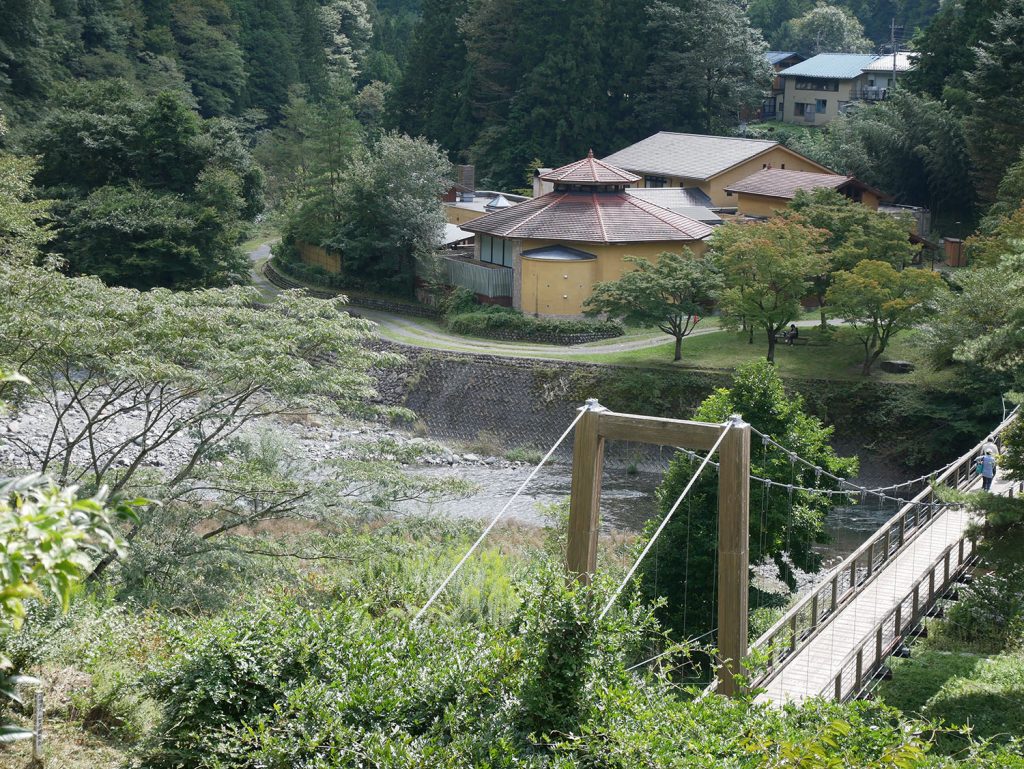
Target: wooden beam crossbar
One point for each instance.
(599, 425)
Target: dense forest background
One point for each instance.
(503, 84)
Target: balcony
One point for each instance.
(869, 93)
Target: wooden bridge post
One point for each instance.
(585, 494)
(733, 553)
(598, 425)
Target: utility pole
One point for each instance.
(892, 44)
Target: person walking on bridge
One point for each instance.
(987, 469)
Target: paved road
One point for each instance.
(418, 332)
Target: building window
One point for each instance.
(496, 251)
(656, 182)
(821, 105)
(798, 109)
(807, 84)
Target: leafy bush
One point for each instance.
(505, 323)
(288, 261)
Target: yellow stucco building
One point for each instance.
(765, 192)
(559, 245)
(708, 163)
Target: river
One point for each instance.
(627, 502)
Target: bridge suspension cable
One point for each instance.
(661, 527)
(494, 521)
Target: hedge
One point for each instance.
(503, 323)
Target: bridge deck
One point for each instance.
(814, 666)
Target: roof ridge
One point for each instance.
(658, 213)
(708, 136)
(600, 219)
(540, 210)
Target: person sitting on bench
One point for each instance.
(792, 334)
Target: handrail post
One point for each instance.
(585, 494)
(733, 552)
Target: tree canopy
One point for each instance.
(767, 268)
(149, 193)
(672, 294)
(878, 301)
(783, 527)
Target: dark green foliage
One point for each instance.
(504, 323)
(913, 148)
(389, 214)
(151, 194)
(947, 45)
(995, 90)
(784, 526)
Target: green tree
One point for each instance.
(877, 302)
(150, 193)
(912, 147)
(995, 89)
(23, 227)
(1009, 196)
(767, 268)
(671, 294)
(783, 527)
(709, 65)
(210, 56)
(826, 29)
(853, 233)
(390, 214)
(946, 47)
(981, 322)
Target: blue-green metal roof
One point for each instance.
(835, 66)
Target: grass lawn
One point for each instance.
(961, 689)
(837, 355)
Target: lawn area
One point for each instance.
(836, 355)
(961, 689)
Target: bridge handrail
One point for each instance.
(904, 616)
(804, 619)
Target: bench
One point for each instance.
(780, 338)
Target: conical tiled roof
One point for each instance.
(589, 217)
(590, 170)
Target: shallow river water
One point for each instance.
(627, 501)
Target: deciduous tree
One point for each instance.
(877, 302)
(783, 526)
(672, 294)
(390, 214)
(767, 268)
(854, 233)
(827, 29)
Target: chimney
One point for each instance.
(466, 179)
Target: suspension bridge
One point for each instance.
(835, 640)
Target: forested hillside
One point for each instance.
(226, 57)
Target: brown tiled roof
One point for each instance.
(780, 183)
(589, 171)
(589, 217)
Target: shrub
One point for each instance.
(288, 261)
(504, 323)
